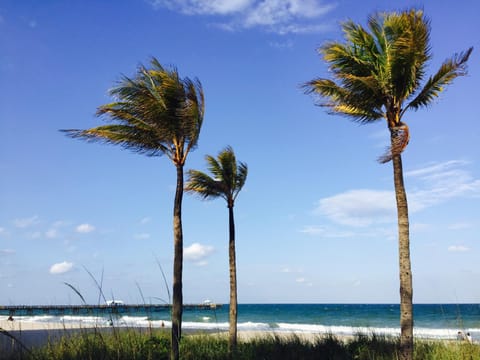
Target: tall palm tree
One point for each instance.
(156, 113)
(378, 74)
(227, 181)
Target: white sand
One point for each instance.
(34, 334)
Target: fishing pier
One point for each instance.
(93, 309)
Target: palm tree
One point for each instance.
(378, 74)
(156, 113)
(227, 181)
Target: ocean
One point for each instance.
(432, 321)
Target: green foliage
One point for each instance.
(228, 177)
(378, 71)
(134, 344)
(155, 113)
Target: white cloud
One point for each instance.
(459, 226)
(203, 7)
(433, 185)
(142, 236)
(313, 230)
(289, 270)
(322, 231)
(26, 222)
(7, 252)
(197, 253)
(51, 233)
(145, 220)
(281, 44)
(61, 268)
(85, 228)
(300, 280)
(280, 16)
(359, 207)
(275, 12)
(458, 248)
(441, 182)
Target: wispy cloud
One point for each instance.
(289, 270)
(288, 44)
(145, 220)
(197, 253)
(142, 236)
(51, 233)
(84, 228)
(7, 252)
(458, 248)
(61, 268)
(433, 184)
(26, 222)
(358, 207)
(279, 16)
(203, 7)
(302, 280)
(441, 182)
(323, 231)
(459, 226)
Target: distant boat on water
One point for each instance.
(114, 302)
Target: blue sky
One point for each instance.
(316, 219)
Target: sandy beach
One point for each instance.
(35, 334)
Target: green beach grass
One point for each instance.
(150, 344)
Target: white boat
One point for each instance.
(114, 302)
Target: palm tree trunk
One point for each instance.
(406, 288)
(232, 344)
(177, 302)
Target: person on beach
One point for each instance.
(10, 318)
(460, 336)
(469, 337)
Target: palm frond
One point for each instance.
(129, 137)
(449, 70)
(357, 114)
(203, 185)
(156, 112)
(342, 100)
(228, 177)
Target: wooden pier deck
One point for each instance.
(116, 308)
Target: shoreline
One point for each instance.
(35, 334)
(15, 335)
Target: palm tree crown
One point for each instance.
(227, 181)
(378, 72)
(156, 113)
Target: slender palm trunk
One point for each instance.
(232, 344)
(406, 288)
(177, 302)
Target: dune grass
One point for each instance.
(153, 344)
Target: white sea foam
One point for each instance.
(206, 324)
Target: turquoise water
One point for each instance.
(431, 320)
